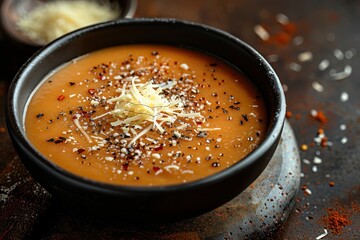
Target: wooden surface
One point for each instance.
(318, 27)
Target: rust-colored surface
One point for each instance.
(330, 165)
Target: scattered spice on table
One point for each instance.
(319, 115)
(336, 220)
(288, 114)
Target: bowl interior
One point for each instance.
(157, 31)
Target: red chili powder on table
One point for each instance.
(336, 220)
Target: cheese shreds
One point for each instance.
(143, 132)
(209, 129)
(77, 124)
(53, 19)
(143, 104)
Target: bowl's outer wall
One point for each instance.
(170, 202)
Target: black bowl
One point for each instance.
(161, 203)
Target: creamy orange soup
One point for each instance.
(145, 115)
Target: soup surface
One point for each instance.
(145, 115)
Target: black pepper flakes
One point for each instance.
(245, 117)
(215, 164)
(39, 115)
(202, 134)
(81, 150)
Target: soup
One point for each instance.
(145, 115)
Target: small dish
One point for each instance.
(13, 10)
(161, 203)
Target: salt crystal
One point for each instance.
(273, 58)
(298, 40)
(282, 18)
(317, 87)
(306, 161)
(313, 113)
(308, 191)
(184, 66)
(323, 65)
(261, 32)
(317, 160)
(295, 67)
(338, 54)
(350, 53)
(314, 169)
(344, 140)
(342, 127)
(344, 96)
(305, 56)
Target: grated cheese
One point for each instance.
(81, 129)
(140, 104)
(53, 19)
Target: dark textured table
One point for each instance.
(314, 46)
